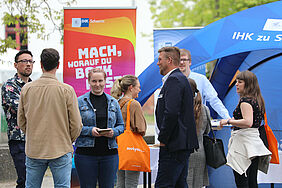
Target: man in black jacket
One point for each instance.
(175, 120)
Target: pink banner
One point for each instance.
(102, 38)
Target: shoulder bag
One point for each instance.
(214, 149)
(133, 151)
(272, 142)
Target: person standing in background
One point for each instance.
(206, 89)
(129, 86)
(245, 146)
(96, 155)
(198, 170)
(10, 99)
(48, 114)
(175, 120)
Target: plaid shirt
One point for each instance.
(10, 93)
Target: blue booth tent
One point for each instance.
(257, 28)
(248, 40)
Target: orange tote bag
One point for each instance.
(272, 142)
(133, 151)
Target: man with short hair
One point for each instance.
(175, 120)
(10, 100)
(48, 113)
(206, 89)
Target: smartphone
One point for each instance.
(103, 131)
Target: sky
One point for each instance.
(144, 45)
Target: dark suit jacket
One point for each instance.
(175, 114)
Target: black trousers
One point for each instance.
(172, 169)
(251, 180)
(17, 150)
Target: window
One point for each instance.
(10, 31)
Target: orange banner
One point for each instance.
(103, 38)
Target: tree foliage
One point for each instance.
(28, 13)
(191, 13)
(188, 13)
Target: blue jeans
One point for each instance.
(172, 169)
(17, 151)
(60, 168)
(93, 168)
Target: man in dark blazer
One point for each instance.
(175, 120)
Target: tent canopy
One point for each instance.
(250, 39)
(257, 28)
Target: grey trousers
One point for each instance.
(127, 179)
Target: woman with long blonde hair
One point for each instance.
(125, 89)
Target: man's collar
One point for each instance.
(167, 75)
(20, 80)
(48, 75)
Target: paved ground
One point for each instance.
(150, 130)
(47, 183)
(48, 180)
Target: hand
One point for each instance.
(95, 132)
(162, 144)
(223, 122)
(108, 134)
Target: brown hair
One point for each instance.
(251, 88)
(121, 85)
(197, 103)
(95, 70)
(172, 52)
(185, 52)
(49, 58)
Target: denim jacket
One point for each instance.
(115, 121)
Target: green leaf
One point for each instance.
(183, 13)
(31, 11)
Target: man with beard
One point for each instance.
(49, 133)
(175, 120)
(10, 99)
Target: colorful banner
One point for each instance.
(98, 38)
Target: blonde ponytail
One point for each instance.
(116, 91)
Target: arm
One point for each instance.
(211, 96)
(119, 126)
(75, 123)
(21, 119)
(137, 118)
(86, 130)
(173, 100)
(208, 129)
(246, 122)
(10, 97)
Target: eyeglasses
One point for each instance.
(26, 61)
(184, 59)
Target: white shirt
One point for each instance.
(209, 94)
(166, 76)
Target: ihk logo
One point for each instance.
(84, 22)
(80, 22)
